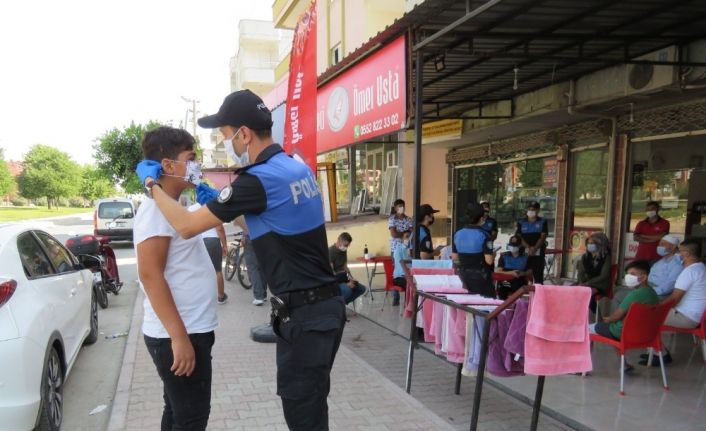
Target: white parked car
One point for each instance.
(47, 312)
(114, 219)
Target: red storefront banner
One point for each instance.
(366, 101)
(300, 119)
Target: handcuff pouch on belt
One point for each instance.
(281, 305)
(279, 310)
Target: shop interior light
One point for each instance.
(440, 62)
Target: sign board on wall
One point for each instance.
(442, 130)
(549, 176)
(368, 100)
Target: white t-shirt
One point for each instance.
(692, 280)
(189, 274)
(211, 233)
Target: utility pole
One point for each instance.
(194, 113)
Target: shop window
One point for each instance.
(510, 187)
(587, 205)
(336, 54)
(671, 172)
(340, 159)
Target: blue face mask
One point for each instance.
(513, 249)
(592, 248)
(662, 251)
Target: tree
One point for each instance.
(118, 152)
(7, 183)
(48, 173)
(95, 184)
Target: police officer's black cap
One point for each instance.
(241, 108)
(533, 204)
(474, 211)
(426, 210)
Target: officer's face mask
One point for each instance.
(431, 222)
(531, 213)
(241, 160)
(513, 249)
(592, 248)
(193, 173)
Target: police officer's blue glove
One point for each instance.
(148, 169)
(205, 194)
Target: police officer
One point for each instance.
(490, 225)
(533, 230)
(283, 209)
(473, 250)
(426, 245)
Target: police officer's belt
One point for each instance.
(298, 298)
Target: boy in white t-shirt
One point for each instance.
(689, 294)
(180, 303)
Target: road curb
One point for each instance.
(118, 412)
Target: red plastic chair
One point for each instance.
(699, 331)
(389, 267)
(641, 330)
(611, 289)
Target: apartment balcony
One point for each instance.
(282, 68)
(286, 13)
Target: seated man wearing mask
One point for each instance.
(338, 256)
(665, 271)
(640, 293)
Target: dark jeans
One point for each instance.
(603, 329)
(349, 295)
(536, 264)
(187, 400)
(306, 348)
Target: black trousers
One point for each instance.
(187, 400)
(306, 348)
(478, 280)
(536, 264)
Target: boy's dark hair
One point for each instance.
(640, 265)
(166, 143)
(345, 236)
(653, 204)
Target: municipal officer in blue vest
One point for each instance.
(514, 263)
(490, 225)
(473, 251)
(283, 209)
(534, 231)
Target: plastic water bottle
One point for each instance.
(366, 255)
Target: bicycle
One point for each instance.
(235, 262)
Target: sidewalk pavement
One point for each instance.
(366, 392)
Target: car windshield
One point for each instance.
(113, 210)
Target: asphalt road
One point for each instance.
(95, 374)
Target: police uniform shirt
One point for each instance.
(425, 243)
(471, 243)
(490, 225)
(531, 231)
(281, 201)
(508, 262)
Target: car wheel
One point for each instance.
(52, 407)
(93, 335)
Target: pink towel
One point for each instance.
(557, 340)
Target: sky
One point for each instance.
(71, 70)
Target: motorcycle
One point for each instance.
(95, 254)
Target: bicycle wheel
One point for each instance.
(243, 276)
(231, 262)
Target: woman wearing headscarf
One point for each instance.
(594, 266)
